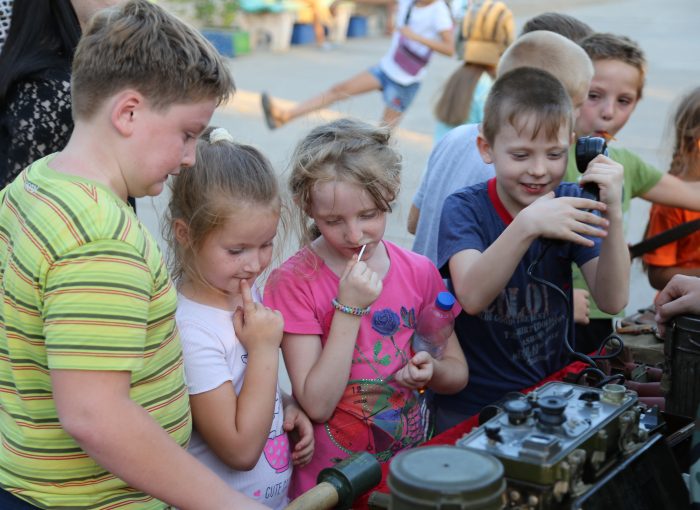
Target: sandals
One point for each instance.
(267, 110)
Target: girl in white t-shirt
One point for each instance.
(223, 217)
(423, 26)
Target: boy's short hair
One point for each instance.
(555, 54)
(140, 45)
(527, 91)
(606, 46)
(562, 24)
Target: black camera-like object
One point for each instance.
(587, 148)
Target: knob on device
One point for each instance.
(551, 411)
(518, 411)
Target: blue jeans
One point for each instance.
(10, 502)
(397, 97)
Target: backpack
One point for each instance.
(484, 32)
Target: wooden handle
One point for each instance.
(321, 497)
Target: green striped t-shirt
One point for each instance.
(84, 288)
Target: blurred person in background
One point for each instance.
(35, 68)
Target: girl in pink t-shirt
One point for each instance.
(350, 302)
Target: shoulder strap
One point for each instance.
(408, 13)
(664, 238)
(410, 7)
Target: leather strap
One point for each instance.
(664, 238)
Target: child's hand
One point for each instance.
(418, 372)
(681, 295)
(608, 175)
(257, 326)
(565, 218)
(359, 285)
(301, 433)
(407, 33)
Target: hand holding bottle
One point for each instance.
(417, 373)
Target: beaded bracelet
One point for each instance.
(350, 310)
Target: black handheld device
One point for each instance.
(587, 148)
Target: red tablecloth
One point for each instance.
(451, 436)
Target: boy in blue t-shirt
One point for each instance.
(513, 326)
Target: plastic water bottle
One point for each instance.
(434, 326)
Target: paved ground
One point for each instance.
(667, 31)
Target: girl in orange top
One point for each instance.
(682, 256)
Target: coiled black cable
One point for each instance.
(593, 369)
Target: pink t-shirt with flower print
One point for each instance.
(375, 414)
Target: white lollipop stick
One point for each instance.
(362, 251)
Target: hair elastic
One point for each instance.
(220, 134)
(350, 310)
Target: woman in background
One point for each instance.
(35, 68)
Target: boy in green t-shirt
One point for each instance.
(93, 409)
(616, 88)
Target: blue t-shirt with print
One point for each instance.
(518, 339)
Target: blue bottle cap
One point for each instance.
(445, 301)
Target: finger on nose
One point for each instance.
(246, 294)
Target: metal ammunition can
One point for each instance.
(682, 353)
(446, 477)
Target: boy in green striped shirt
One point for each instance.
(93, 406)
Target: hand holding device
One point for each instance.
(587, 148)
